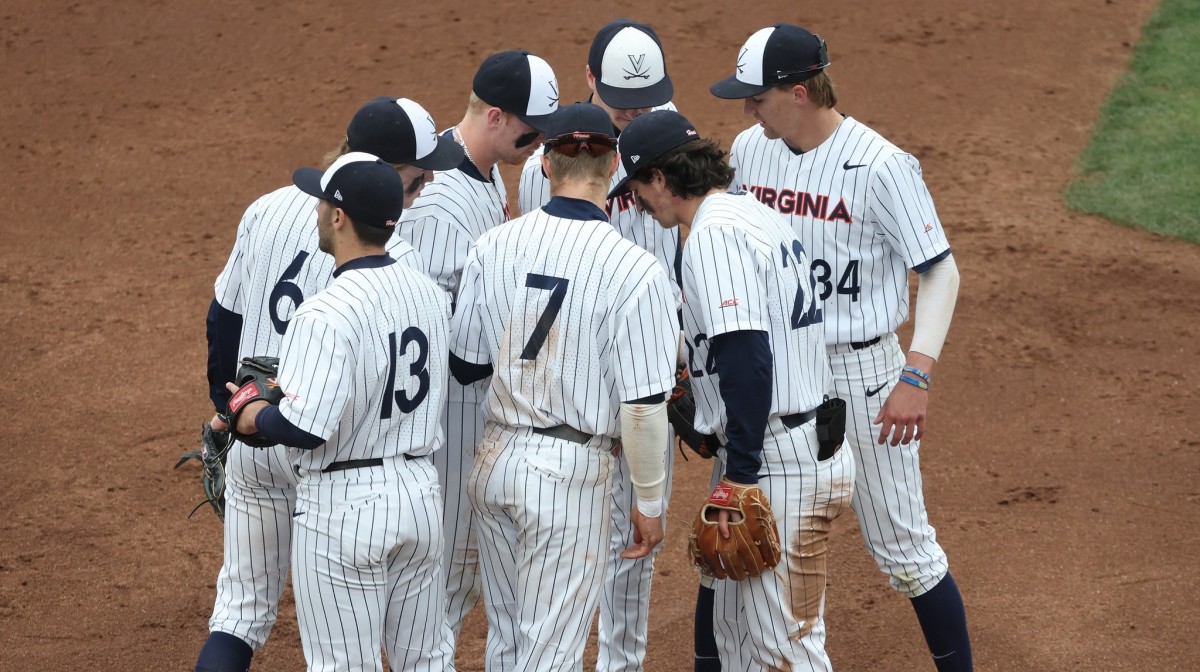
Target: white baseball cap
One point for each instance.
(627, 61)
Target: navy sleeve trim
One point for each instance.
(743, 361)
(926, 265)
(652, 399)
(224, 331)
(271, 424)
(466, 373)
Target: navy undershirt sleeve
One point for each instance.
(224, 330)
(743, 361)
(272, 425)
(465, 372)
(650, 400)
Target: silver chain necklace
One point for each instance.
(458, 137)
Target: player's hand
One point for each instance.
(723, 518)
(647, 533)
(245, 422)
(616, 449)
(218, 423)
(903, 415)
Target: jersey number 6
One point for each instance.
(407, 404)
(286, 288)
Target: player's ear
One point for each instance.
(591, 79)
(799, 93)
(494, 115)
(546, 166)
(612, 166)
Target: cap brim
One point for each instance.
(620, 188)
(538, 123)
(732, 88)
(446, 155)
(631, 99)
(308, 180)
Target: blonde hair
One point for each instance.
(820, 89)
(581, 168)
(335, 154)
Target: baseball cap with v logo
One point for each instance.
(781, 54)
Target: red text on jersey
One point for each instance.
(801, 203)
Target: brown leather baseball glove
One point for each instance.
(753, 544)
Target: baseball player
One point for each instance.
(756, 355)
(274, 266)
(361, 370)
(578, 324)
(860, 207)
(512, 94)
(627, 75)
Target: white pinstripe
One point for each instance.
(891, 225)
(362, 363)
(613, 338)
(744, 271)
(452, 211)
(625, 606)
(260, 486)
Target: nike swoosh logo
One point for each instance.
(297, 514)
(871, 393)
(848, 166)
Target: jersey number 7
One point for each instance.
(407, 404)
(558, 292)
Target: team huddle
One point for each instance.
(424, 402)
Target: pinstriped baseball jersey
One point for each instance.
(574, 318)
(634, 225)
(862, 211)
(275, 265)
(453, 210)
(744, 270)
(377, 334)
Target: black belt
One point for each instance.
(564, 432)
(360, 464)
(796, 419)
(862, 345)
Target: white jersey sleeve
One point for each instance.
(466, 332)
(643, 339)
(315, 360)
(729, 289)
(534, 190)
(902, 207)
(402, 251)
(229, 285)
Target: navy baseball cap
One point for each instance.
(399, 130)
(781, 54)
(519, 83)
(579, 118)
(627, 61)
(368, 188)
(648, 137)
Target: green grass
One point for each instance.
(1143, 165)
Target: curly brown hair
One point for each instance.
(692, 169)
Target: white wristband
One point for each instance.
(651, 509)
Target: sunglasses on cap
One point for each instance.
(570, 144)
(821, 64)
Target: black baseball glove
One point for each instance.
(214, 448)
(255, 380)
(681, 412)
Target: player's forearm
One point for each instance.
(644, 443)
(271, 425)
(224, 330)
(743, 362)
(936, 295)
